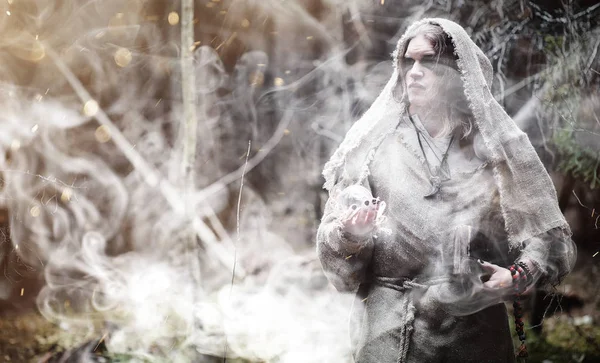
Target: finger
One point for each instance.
(488, 267)
(362, 217)
(363, 213)
(496, 288)
(380, 208)
(373, 216)
(359, 217)
(368, 214)
(348, 214)
(493, 284)
(490, 284)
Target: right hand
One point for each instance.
(361, 210)
(360, 221)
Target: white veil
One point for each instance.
(527, 195)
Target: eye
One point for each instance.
(429, 62)
(406, 63)
(441, 63)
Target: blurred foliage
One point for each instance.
(569, 96)
(552, 49)
(554, 44)
(581, 162)
(584, 339)
(30, 338)
(562, 342)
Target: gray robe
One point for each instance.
(420, 297)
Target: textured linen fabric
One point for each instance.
(419, 295)
(527, 196)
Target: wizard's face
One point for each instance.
(424, 73)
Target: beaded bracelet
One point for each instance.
(519, 278)
(528, 273)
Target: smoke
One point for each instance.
(91, 170)
(91, 159)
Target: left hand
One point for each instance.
(500, 277)
(498, 288)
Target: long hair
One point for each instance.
(459, 117)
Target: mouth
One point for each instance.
(416, 85)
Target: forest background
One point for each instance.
(160, 168)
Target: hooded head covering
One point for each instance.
(527, 195)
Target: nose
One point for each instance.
(416, 71)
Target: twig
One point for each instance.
(593, 56)
(363, 34)
(524, 83)
(238, 235)
(190, 130)
(188, 87)
(237, 214)
(579, 201)
(117, 137)
(100, 342)
(320, 130)
(269, 145)
(253, 162)
(150, 175)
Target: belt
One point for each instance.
(405, 283)
(404, 306)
